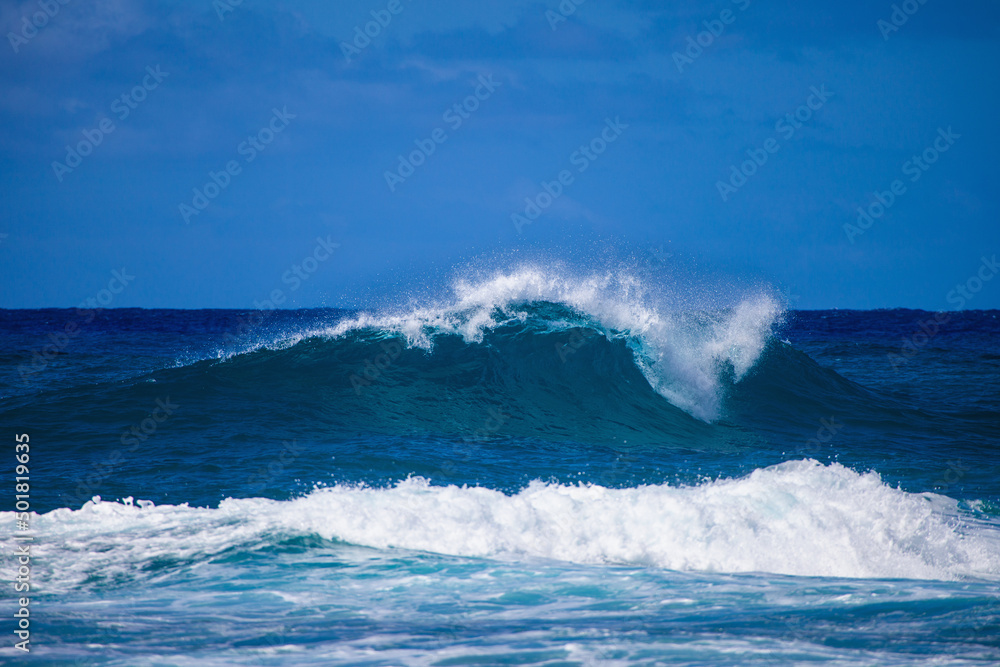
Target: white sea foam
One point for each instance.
(796, 518)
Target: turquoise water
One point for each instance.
(535, 470)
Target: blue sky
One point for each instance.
(309, 134)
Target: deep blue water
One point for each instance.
(525, 475)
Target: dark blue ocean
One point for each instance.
(535, 469)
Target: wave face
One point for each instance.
(687, 357)
(797, 518)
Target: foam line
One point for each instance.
(796, 518)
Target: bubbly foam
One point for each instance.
(796, 518)
(685, 354)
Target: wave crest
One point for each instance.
(685, 354)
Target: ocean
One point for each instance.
(538, 468)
